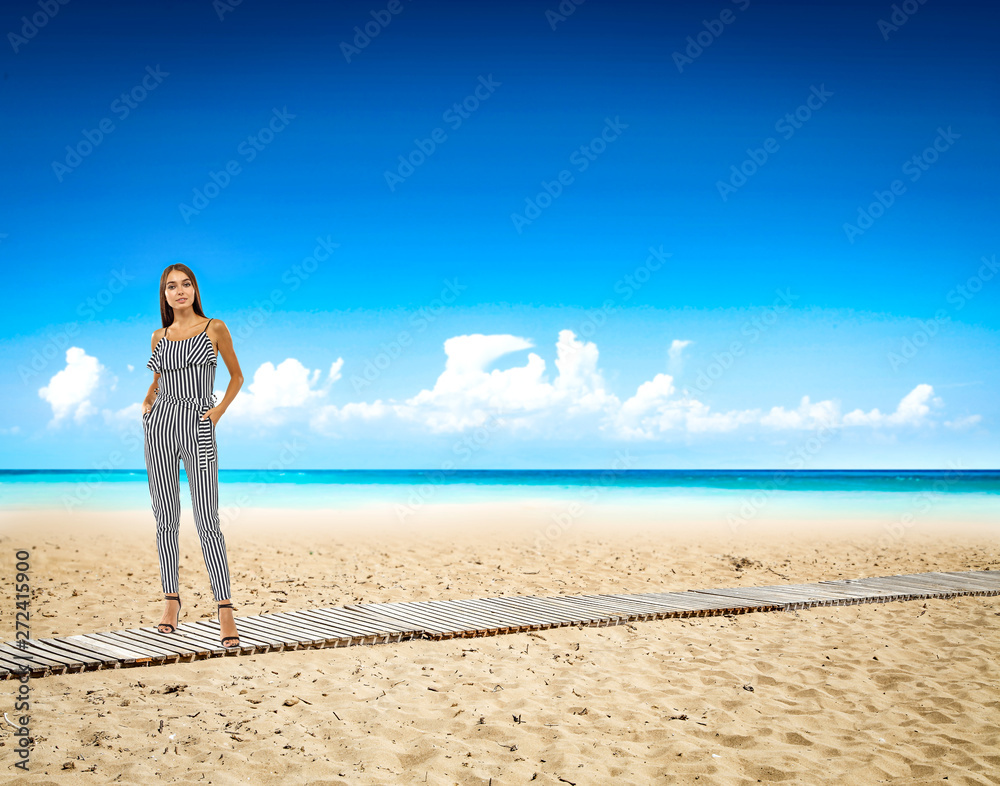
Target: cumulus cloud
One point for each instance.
(577, 401)
(805, 416)
(70, 390)
(653, 411)
(465, 394)
(526, 399)
(276, 391)
(912, 410)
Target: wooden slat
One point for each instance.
(546, 610)
(513, 618)
(861, 594)
(391, 615)
(413, 615)
(449, 613)
(8, 663)
(294, 636)
(464, 617)
(989, 586)
(357, 627)
(145, 641)
(600, 611)
(516, 616)
(367, 623)
(103, 656)
(582, 614)
(338, 631)
(640, 609)
(536, 609)
(905, 587)
(969, 585)
(971, 577)
(776, 595)
(454, 614)
(706, 605)
(42, 660)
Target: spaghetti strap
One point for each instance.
(206, 325)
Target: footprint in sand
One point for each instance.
(794, 738)
(768, 774)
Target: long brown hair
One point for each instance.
(166, 311)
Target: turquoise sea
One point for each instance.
(951, 492)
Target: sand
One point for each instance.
(898, 692)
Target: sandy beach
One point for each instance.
(897, 692)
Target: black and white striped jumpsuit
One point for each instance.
(173, 430)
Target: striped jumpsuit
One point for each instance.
(173, 430)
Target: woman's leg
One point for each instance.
(204, 486)
(163, 469)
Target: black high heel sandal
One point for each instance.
(228, 638)
(167, 624)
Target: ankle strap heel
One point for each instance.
(167, 624)
(224, 639)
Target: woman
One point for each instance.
(178, 422)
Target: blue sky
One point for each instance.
(660, 182)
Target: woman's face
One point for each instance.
(180, 291)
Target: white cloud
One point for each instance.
(676, 347)
(652, 411)
(466, 395)
(963, 423)
(806, 416)
(675, 359)
(277, 391)
(69, 390)
(576, 403)
(912, 410)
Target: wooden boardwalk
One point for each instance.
(383, 623)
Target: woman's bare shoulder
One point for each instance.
(217, 327)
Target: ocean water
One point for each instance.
(972, 493)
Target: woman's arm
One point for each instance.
(219, 333)
(147, 403)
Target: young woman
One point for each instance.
(179, 418)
